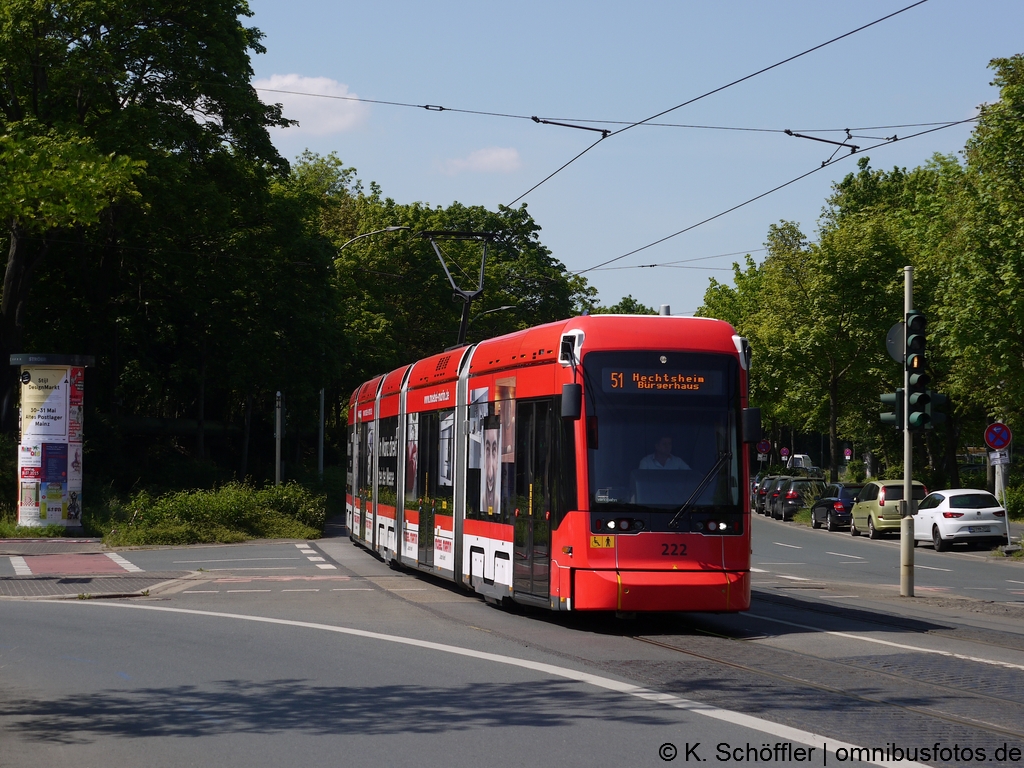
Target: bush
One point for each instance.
(234, 512)
(1015, 503)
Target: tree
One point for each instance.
(626, 306)
(161, 83)
(982, 294)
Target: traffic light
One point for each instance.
(895, 401)
(918, 415)
(935, 400)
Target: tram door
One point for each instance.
(429, 483)
(533, 499)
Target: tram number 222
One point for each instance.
(673, 549)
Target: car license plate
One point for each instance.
(977, 529)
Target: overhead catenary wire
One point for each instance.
(718, 90)
(825, 164)
(556, 120)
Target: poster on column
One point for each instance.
(28, 503)
(76, 402)
(53, 497)
(44, 403)
(53, 502)
(30, 460)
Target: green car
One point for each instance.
(877, 510)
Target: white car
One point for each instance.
(961, 514)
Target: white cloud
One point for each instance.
(316, 115)
(488, 160)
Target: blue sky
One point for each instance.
(583, 63)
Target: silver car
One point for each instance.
(961, 514)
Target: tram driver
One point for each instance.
(662, 458)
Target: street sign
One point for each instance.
(762, 457)
(764, 446)
(784, 452)
(997, 436)
(894, 342)
(848, 453)
(995, 458)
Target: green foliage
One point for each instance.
(54, 180)
(232, 513)
(626, 306)
(1015, 503)
(855, 471)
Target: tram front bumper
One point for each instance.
(661, 590)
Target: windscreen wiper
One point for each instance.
(722, 459)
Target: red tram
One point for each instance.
(596, 463)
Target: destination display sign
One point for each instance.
(616, 380)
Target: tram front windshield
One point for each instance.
(661, 430)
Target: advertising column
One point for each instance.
(50, 451)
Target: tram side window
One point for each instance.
(434, 473)
(365, 459)
(482, 446)
(387, 462)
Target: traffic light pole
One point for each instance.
(908, 506)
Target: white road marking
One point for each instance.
(353, 589)
(889, 643)
(783, 564)
(123, 563)
(931, 568)
(247, 590)
(201, 592)
(316, 559)
(757, 570)
(259, 568)
(300, 590)
(234, 560)
(20, 566)
(327, 566)
(1015, 582)
(854, 562)
(409, 589)
(792, 578)
(791, 546)
(843, 554)
(605, 683)
(981, 589)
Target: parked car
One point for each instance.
(762, 494)
(797, 494)
(755, 483)
(772, 497)
(877, 509)
(833, 508)
(961, 514)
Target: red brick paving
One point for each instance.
(71, 564)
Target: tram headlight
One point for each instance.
(611, 525)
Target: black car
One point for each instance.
(833, 508)
(761, 494)
(771, 498)
(796, 494)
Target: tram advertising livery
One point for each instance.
(593, 464)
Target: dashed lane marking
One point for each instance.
(234, 560)
(791, 546)
(20, 566)
(843, 554)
